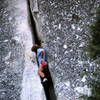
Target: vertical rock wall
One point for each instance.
(15, 54)
(65, 32)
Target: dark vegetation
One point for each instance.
(94, 53)
(94, 42)
(94, 84)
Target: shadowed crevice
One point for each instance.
(35, 36)
(48, 86)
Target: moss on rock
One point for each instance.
(94, 43)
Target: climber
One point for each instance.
(41, 58)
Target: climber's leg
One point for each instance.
(40, 71)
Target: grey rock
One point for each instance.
(64, 28)
(15, 49)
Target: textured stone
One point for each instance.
(15, 54)
(64, 27)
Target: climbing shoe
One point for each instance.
(44, 80)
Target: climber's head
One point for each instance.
(35, 47)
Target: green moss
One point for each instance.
(94, 84)
(94, 52)
(94, 43)
(83, 72)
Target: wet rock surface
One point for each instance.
(65, 33)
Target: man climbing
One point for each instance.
(41, 57)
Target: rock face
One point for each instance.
(63, 25)
(15, 52)
(64, 28)
(11, 51)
